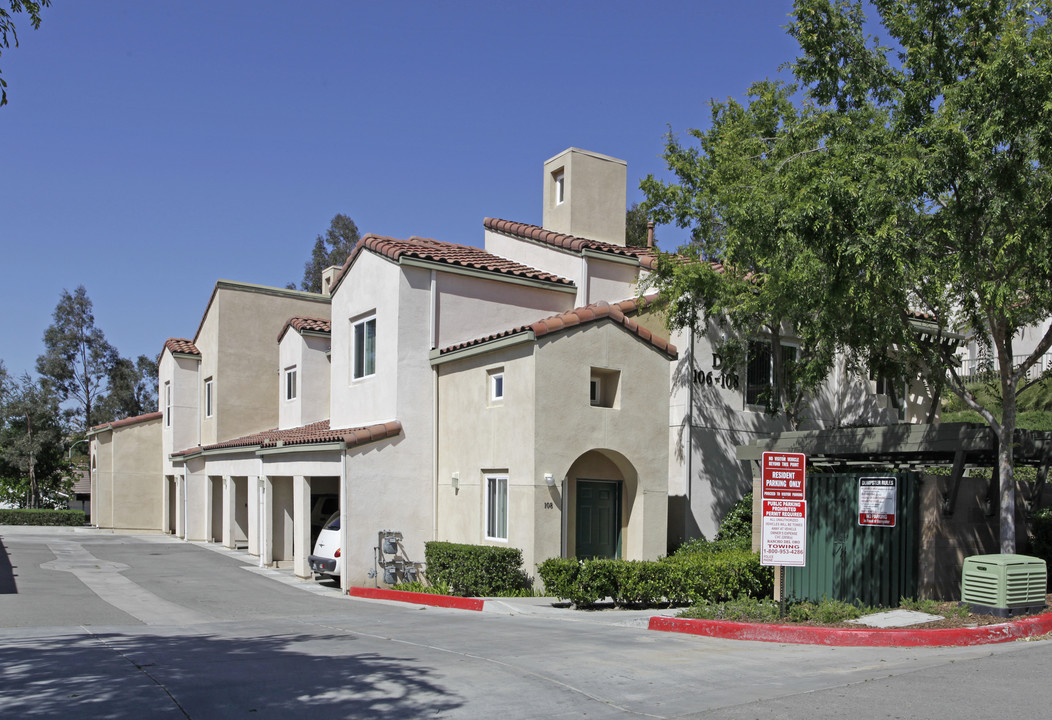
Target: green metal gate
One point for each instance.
(847, 561)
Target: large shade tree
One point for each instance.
(916, 175)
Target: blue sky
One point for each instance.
(151, 148)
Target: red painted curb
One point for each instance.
(863, 637)
(446, 601)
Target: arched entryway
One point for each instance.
(601, 491)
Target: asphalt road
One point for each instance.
(95, 625)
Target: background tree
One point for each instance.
(916, 180)
(7, 28)
(131, 390)
(636, 226)
(77, 359)
(333, 248)
(34, 471)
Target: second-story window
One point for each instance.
(496, 385)
(364, 350)
(290, 383)
(209, 397)
(168, 404)
(760, 375)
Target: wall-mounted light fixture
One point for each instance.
(455, 481)
(549, 479)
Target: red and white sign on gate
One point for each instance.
(783, 529)
(784, 476)
(783, 535)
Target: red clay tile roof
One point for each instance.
(181, 345)
(617, 312)
(647, 257)
(128, 421)
(318, 325)
(314, 433)
(445, 253)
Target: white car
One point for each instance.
(326, 558)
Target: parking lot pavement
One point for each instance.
(241, 643)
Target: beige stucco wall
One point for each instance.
(595, 188)
(371, 287)
(308, 354)
(127, 480)
(546, 425)
(182, 373)
(472, 307)
(239, 349)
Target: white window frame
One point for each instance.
(496, 386)
(495, 507)
(560, 186)
(210, 397)
(291, 383)
(168, 403)
(362, 346)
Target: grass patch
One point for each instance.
(743, 609)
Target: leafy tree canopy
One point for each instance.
(895, 180)
(77, 359)
(8, 34)
(332, 248)
(34, 471)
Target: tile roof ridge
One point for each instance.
(300, 323)
(647, 257)
(615, 312)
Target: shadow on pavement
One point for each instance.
(207, 676)
(7, 573)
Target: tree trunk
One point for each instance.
(1006, 447)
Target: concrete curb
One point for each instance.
(446, 601)
(862, 637)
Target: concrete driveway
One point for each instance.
(95, 625)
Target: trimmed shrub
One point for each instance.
(42, 517)
(712, 575)
(476, 570)
(559, 576)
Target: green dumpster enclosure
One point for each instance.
(848, 560)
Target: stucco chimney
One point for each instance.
(650, 233)
(328, 277)
(585, 194)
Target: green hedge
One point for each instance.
(476, 570)
(42, 517)
(716, 576)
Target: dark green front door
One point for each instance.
(598, 519)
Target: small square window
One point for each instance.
(290, 383)
(604, 388)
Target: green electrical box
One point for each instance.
(1004, 585)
